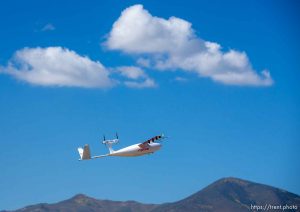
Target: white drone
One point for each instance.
(139, 149)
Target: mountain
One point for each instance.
(232, 194)
(83, 203)
(227, 194)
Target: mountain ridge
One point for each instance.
(225, 194)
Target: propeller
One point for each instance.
(162, 136)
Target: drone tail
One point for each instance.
(85, 153)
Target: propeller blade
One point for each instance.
(163, 136)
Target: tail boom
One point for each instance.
(85, 153)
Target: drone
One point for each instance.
(147, 147)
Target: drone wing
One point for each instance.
(146, 143)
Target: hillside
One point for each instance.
(232, 194)
(227, 194)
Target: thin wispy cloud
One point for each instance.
(136, 77)
(131, 72)
(147, 83)
(171, 44)
(180, 79)
(48, 27)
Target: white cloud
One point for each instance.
(138, 77)
(147, 83)
(169, 44)
(48, 27)
(144, 62)
(180, 79)
(137, 31)
(132, 72)
(57, 66)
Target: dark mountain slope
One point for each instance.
(82, 203)
(227, 194)
(232, 194)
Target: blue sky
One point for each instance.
(67, 77)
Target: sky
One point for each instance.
(219, 78)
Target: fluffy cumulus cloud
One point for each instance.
(57, 66)
(171, 44)
(135, 77)
(156, 43)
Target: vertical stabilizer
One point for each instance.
(85, 153)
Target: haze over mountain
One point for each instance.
(226, 194)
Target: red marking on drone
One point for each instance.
(143, 149)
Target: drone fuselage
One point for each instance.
(147, 147)
(136, 150)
